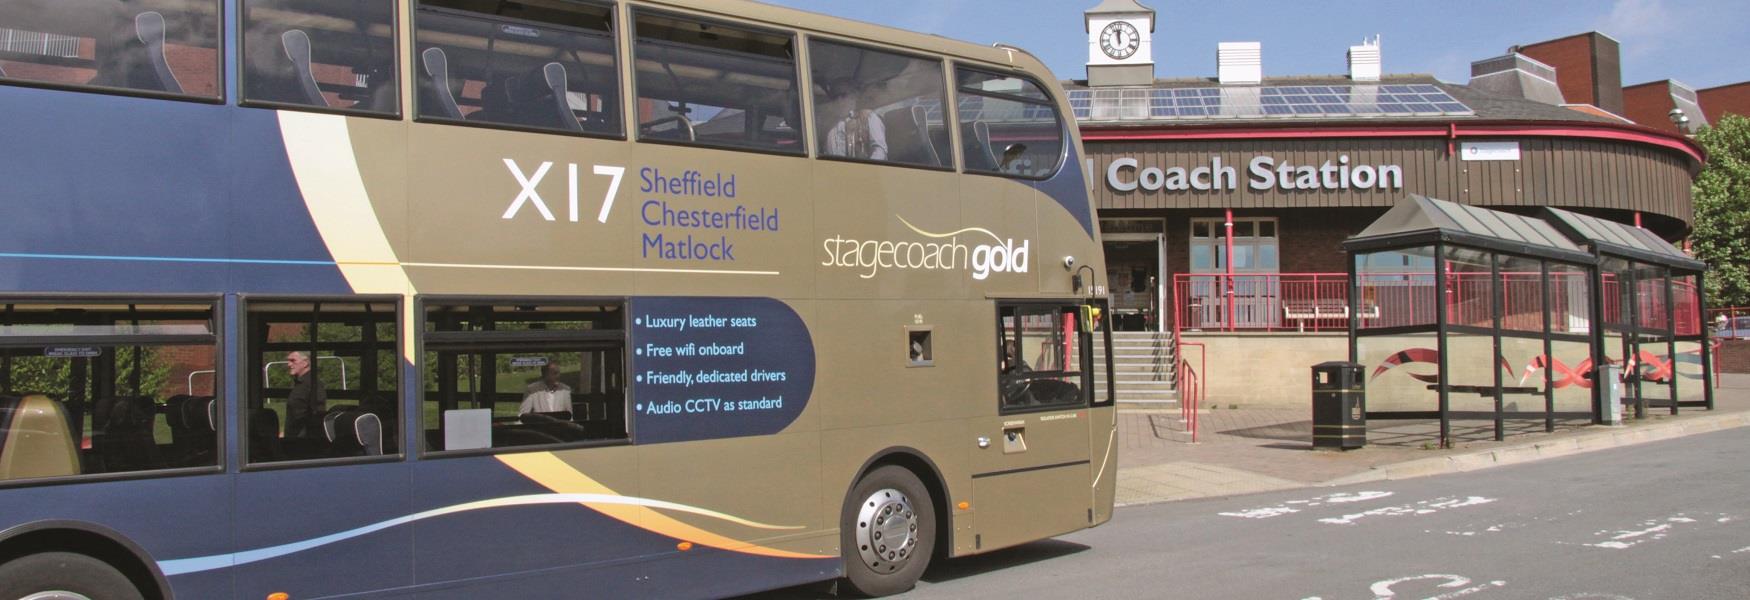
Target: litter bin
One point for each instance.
(1612, 387)
(1339, 406)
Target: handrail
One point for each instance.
(1190, 383)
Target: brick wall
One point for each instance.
(1733, 357)
(1649, 105)
(1572, 58)
(1719, 101)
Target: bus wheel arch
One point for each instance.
(102, 544)
(927, 475)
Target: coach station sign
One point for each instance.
(1263, 173)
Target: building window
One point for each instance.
(1255, 246)
(107, 386)
(500, 375)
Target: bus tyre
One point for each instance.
(888, 532)
(63, 576)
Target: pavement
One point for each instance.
(1249, 450)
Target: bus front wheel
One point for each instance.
(888, 532)
(63, 576)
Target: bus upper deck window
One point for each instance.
(711, 84)
(1008, 125)
(167, 48)
(321, 54)
(878, 106)
(548, 66)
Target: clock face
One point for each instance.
(1119, 40)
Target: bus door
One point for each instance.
(1030, 462)
(1096, 332)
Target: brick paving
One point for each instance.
(1242, 451)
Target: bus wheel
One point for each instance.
(63, 576)
(888, 532)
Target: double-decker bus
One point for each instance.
(545, 298)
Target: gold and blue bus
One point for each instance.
(546, 298)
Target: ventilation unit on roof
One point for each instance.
(1517, 75)
(1364, 60)
(1239, 63)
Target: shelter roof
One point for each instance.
(1612, 238)
(1419, 220)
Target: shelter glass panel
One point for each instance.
(1652, 306)
(1398, 286)
(163, 47)
(1570, 299)
(1571, 373)
(321, 54)
(542, 66)
(106, 387)
(1618, 293)
(1469, 288)
(1521, 378)
(1521, 286)
(1471, 363)
(711, 84)
(879, 106)
(1687, 367)
(1687, 296)
(1399, 369)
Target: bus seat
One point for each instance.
(557, 86)
(297, 46)
(35, 440)
(353, 432)
(149, 27)
(920, 119)
(264, 436)
(193, 422)
(123, 435)
(981, 133)
(435, 96)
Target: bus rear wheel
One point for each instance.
(63, 576)
(888, 532)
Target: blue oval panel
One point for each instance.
(709, 368)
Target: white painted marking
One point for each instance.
(613, 189)
(1294, 506)
(1382, 590)
(1653, 530)
(1741, 550)
(1591, 596)
(1425, 507)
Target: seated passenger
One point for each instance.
(860, 134)
(548, 395)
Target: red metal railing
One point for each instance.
(1734, 325)
(1190, 384)
(1261, 301)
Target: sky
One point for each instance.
(1702, 43)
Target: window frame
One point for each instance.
(218, 98)
(247, 361)
(804, 131)
(395, 27)
(947, 95)
(1071, 308)
(423, 301)
(1051, 102)
(615, 27)
(221, 365)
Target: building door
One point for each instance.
(1133, 272)
(1256, 287)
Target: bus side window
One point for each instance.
(168, 48)
(711, 84)
(549, 67)
(1008, 125)
(499, 376)
(879, 106)
(324, 55)
(1039, 365)
(323, 379)
(106, 387)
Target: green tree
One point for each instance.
(1722, 211)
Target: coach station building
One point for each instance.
(1224, 201)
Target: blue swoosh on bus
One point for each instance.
(183, 566)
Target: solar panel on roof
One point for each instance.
(1265, 102)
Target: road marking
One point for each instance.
(1424, 507)
(1591, 596)
(1294, 506)
(1382, 590)
(1653, 530)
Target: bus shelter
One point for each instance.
(1483, 316)
(1650, 312)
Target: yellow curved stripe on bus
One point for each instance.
(322, 158)
(548, 470)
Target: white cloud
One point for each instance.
(1640, 25)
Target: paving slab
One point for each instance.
(1243, 451)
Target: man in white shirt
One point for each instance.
(547, 395)
(861, 134)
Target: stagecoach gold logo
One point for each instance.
(938, 252)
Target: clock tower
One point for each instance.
(1120, 51)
